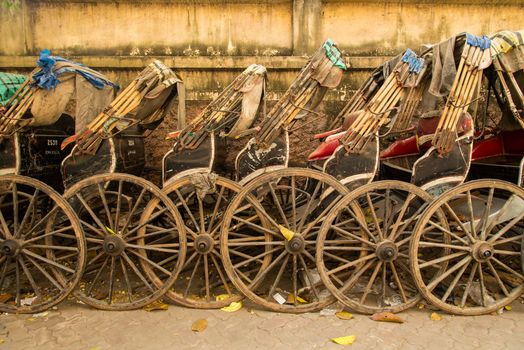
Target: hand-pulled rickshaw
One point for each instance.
(456, 244)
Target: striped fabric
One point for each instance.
(9, 83)
(506, 40)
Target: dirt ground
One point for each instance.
(301, 142)
(75, 326)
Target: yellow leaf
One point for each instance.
(347, 340)
(421, 306)
(223, 297)
(2, 341)
(344, 315)
(156, 305)
(291, 299)
(507, 307)
(110, 231)
(199, 325)
(435, 317)
(287, 233)
(234, 306)
(386, 317)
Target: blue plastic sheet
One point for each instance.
(48, 77)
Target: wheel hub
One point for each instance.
(387, 251)
(10, 247)
(114, 245)
(204, 243)
(296, 244)
(482, 251)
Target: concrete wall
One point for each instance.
(210, 41)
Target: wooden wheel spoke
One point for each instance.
(352, 263)
(215, 209)
(277, 204)
(48, 261)
(441, 277)
(258, 227)
(256, 257)
(221, 274)
(351, 235)
(132, 212)
(137, 272)
(157, 248)
(129, 289)
(362, 225)
(497, 277)
(150, 219)
(487, 211)
(93, 283)
(206, 277)
(443, 245)
(441, 259)
(469, 284)
(374, 216)
(29, 276)
(29, 209)
(277, 279)
(193, 273)
(308, 206)
(371, 281)
(150, 262)
(261, 275)
(474, 235)
(398, 281)
(454, 282)
(182, 200)
(506, 228)
(106, 207)
(507, 268)
(309, 277)
(459, 222)
(91, 212)
(112, 274)
(356, 275)
(46, 274)
(118, 204)
(434, 224)
(400, 216)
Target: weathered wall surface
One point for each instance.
(210, 41)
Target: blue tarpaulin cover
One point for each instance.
(54, 66)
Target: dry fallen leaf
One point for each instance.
(344, 315)
(234, 306)
(287, 233)
(421, 306)
(221, 297)
(5, 297)
(435, 317)
(291, 299)
(386, 317)
(199, 325)
(2, 341)
(347, 340)
(156, 305)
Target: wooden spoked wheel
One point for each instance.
(363, 247)
(472, 266)
(42, 247)
(123, 240)
(202, 200)
(269, 237)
